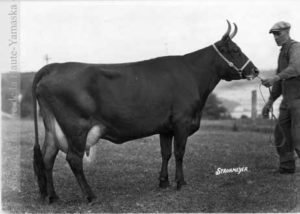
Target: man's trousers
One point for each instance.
(287, 133)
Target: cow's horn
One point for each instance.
(234, 31)
(228, 29)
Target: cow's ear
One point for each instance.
(222, 46)
(225, 38)
(222, 49)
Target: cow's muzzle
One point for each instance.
(254, 73)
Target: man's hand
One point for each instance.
(270, 81)
(266, 109)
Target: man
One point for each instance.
(286, 82)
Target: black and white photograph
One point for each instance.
(171, 106)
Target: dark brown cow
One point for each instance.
(82, 103)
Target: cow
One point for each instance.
(82, 103)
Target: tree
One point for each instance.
(214, 109)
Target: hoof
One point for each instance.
(52, 199)
(43, 197)
(164, 184)
(91, 199)
(180, 184)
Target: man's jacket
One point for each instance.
(289, 72)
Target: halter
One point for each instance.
(231, 64)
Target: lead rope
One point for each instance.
(274, 119)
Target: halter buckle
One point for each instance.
(230, 64)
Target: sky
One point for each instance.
(125, 31)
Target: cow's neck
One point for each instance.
(204, 66)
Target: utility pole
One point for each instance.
(166, 48)
(254, 105)
(46, 58)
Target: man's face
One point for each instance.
(281, 37)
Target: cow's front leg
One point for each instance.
(180, 138)
(166, 152)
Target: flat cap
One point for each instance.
(279, 26)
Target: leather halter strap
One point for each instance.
(231, 64)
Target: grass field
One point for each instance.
(125, 177)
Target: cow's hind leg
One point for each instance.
(75, 160)
(75, 153)
(49, 151)
(75, 130)
(166, 152)
(77, 146)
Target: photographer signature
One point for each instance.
(237, 170)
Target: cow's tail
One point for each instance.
(38, 163)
